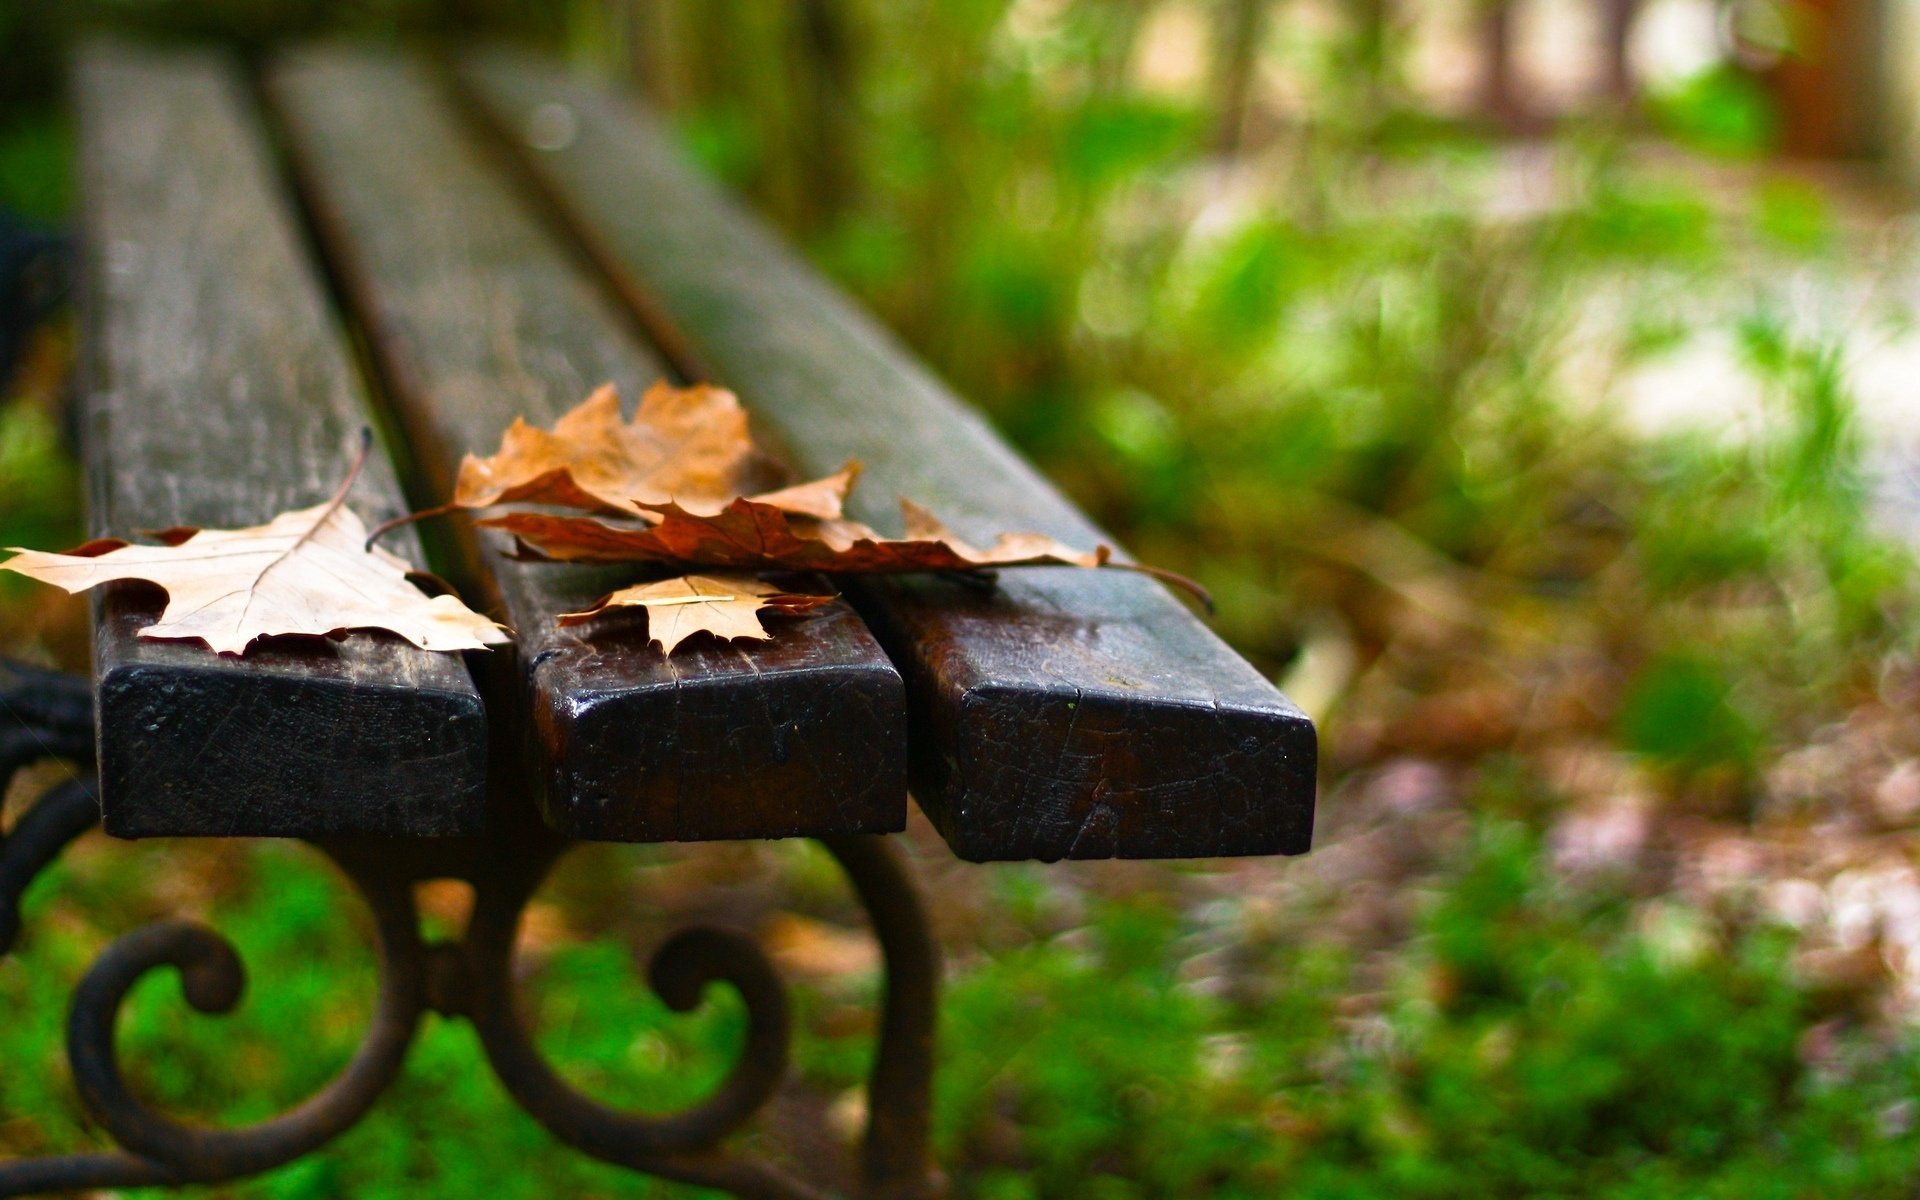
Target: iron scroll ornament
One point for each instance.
(49, 715)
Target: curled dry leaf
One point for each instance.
(304, 572)
(748, 535)
(670, 485)
(725, 604)
(688, 445)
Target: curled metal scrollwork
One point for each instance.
(685, 1146)
(473, 978)
(160, 1149)
(212, 979)
(43, 714)
(56, 819)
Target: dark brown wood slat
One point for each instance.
(1066, 715)
(218, 394)
(477, 315)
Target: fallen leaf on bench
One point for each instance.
(668, 487)
(304, 572)
(727, 606)
(749, 535)
(687, 445)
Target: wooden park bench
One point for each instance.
(495, 239)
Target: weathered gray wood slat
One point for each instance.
(1065, 715)
(477, 314)
(218, 393)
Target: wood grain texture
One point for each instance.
(218, 393)
(477, 315)
(1069, 714)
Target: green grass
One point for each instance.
(1532, 1040)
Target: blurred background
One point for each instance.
(1534, 384)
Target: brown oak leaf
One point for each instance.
(748, 535)
(304, 572)
(725, 604)
(689, 445)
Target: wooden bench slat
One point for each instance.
(218, 393)
(1067, 715)
(477, 315)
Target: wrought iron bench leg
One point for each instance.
(471, 978)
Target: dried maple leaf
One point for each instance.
(672, 480)
(688, 445)
(725, 605)
(748, 535)
(304, 572)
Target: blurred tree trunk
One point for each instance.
(679, 50)
(825, 96)
(1617, 18)
(1112, 53)
(777, 82)
(1241, 25)
(1370, 23)
(1498, 96)
(1825, 84)
(659, 53)
(1370, 51)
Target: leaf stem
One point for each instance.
(1192, 587)
(353, 472)
(340, 496)
(333, 506)
(388, 526)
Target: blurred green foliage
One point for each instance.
(1539, 1045)
(1314, 374)
(40, 506)
(1721, 110)
(1540, 1040)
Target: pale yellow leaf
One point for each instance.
(727, 605)
(304, 572)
